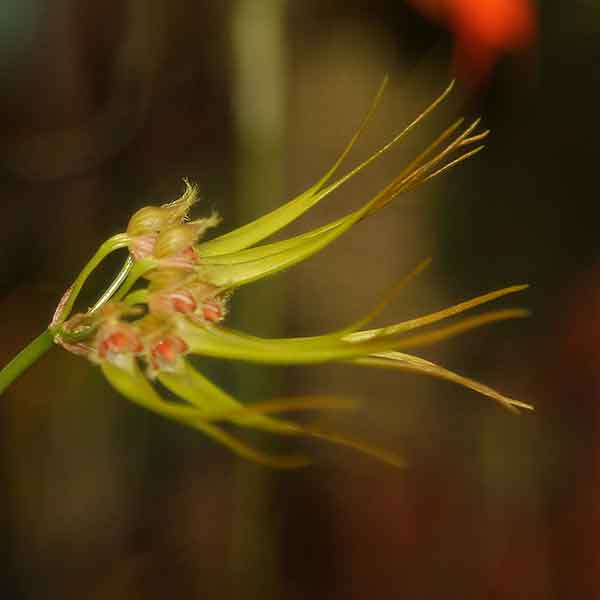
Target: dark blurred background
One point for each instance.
(105, 106)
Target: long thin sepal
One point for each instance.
(264, 226)
(225, 343)
(415, 364)
(231, 271)
(437, 316)
(272, 222)
(217, 405)
(133, 385)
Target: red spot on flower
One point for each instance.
(123, 340)
(190, 254)
(180, 301)
(211, 311)
(183, 301)
(483, 31)
(165, 352)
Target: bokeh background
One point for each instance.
(105, 106)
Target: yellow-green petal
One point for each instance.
(437, 316)
(134, 386)
(217, 405)
(226, 343)
(235, 270)
(415, 364)
(283, 256)
(264, 226)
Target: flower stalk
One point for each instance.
(170, 299)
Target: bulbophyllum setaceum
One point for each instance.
(169, 304)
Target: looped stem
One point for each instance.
(41, 344)
(114, 243)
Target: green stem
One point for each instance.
(114, 243)
(111, 290)
(139, 269)
(22, 361)
(41, 344)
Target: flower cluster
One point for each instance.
(176, 290)
(170, 299)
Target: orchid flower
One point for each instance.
(169, 304)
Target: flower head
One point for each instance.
(170, 300)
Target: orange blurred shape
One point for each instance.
(483, 31)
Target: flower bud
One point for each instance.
(175, 301)
(166, 352)
(212, 311)
(152, 219)
(175, 239)
(142, 246)
(118, 342)
(179, 239)
(178, 209)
